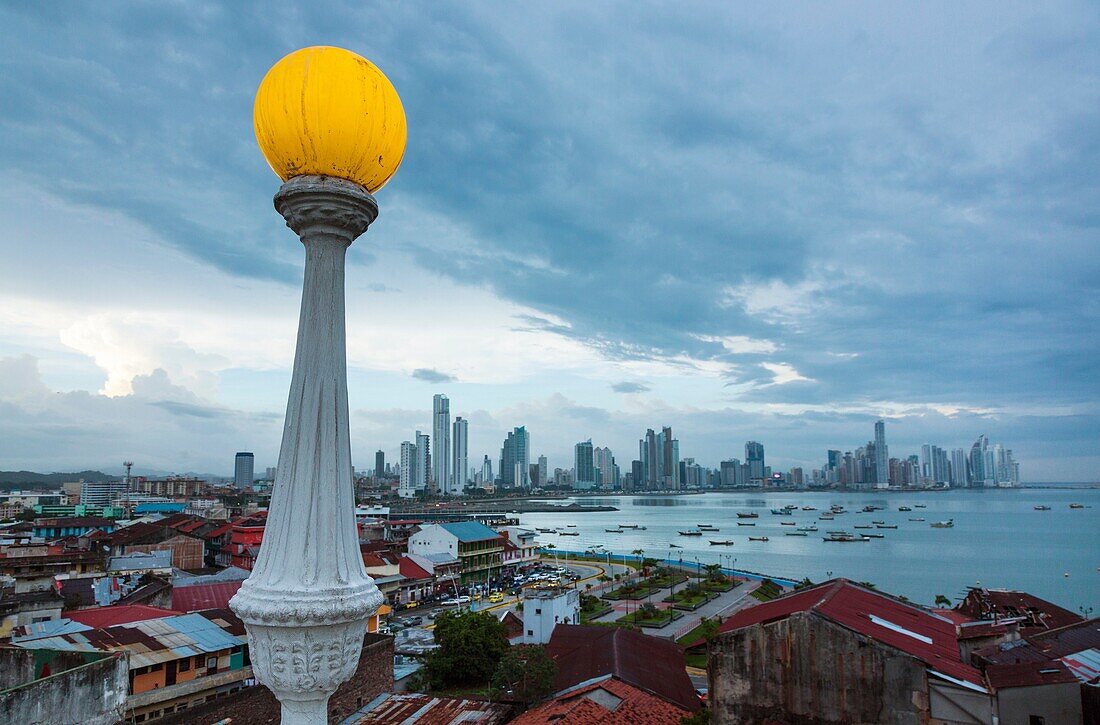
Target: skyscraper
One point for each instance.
(487, 470)
(423, 464)
(584, 469)
(514, 459)
(978, 474)
(651, 464)
(243, 470)
(606, 470)
(379, 464)
(460, 466)
(407, 484)
(670, 460)
(959, 477)
(542, 471)
(754, 459)
(441, 438)
(882, 458)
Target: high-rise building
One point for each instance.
(379, 464)
(754, 459)
(543, 472)
(882, 458)
(243, 466)
(103, 493)
(422, 482)
(487, 470)
(514, 459)
(959, 477)
(978, 473)
(584, 469)
(607, 473)
(406, 486)
(670, 460)
(270, 472)
(441, 440)
(460, 465)
(650, 455)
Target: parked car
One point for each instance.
(496, 597)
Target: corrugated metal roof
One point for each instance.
(470, 531)
(410, 707)
(1085, 665)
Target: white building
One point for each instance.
(521, 548)
(102, 493)
(406, 486)
(544, 609)
(423, 462)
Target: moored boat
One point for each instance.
(949, 524)
(749, 515)
(727, 542)
(796, 533)
(844, 536)
(1077, 505)
(916, 519)
(781, 512)
(920, 506)
(807, 528)
(691, 533)
(886, 526)
(1042, 508)
(614, 531)
(786, 523)
(569, 533)
(904, 508)
(746, 523)
(758, 538)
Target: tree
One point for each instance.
(699, 717)
(942, 601)
(714, 572)
(471, 645)
(525, 673)
(804, 583)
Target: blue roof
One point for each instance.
(471, 531)
(149, 507)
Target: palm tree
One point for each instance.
(942, 601)
(640, 553)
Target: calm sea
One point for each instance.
(999, 539)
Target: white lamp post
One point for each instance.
(332, 127)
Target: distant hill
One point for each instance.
(16, 479)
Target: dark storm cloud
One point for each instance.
(914, 190)
(429, 375)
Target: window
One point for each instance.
(212, 662)
(1036, 720)
(185, 664)
(155, 668)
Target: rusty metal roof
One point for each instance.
(408, 707)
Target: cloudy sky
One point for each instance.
(766, 224)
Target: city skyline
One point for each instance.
(875, 214)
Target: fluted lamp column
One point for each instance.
(332, 126)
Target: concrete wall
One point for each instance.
(1054, 703)
(90, 694)
(807, 669)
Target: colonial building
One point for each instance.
(478, 548)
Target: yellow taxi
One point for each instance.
(496, 597)
(412, 605)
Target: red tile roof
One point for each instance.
(915, 631)
(97, 617)
(204, 596)
(607, 702)
(584, 653)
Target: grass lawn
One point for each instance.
(658, 618)
(718, 586)
(768, 590)
(687, 598)
(662, 582)
(630, 592)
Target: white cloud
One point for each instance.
(740, 344)
(784, 373)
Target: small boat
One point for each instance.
(547, 531)
(949, 524)
(786, 523)
(569, 533)
(920, 506)
(869, 509)
(758, 538)
(675, 546)
(809, 508)
(863, 526)
(886, 526)
(707, 527)
(691, 533)
(781, 512)
(916, 519)
(875, 536)
(1042, 508)
(628, 526)
(807, 528)
(750, 515)
(743, 523)
(825, 517)
(878, 522)
(614, 531)
(1077, 505)
(570, 526)
(796, 533)
(904, 508)
(727, 542)
(844, 537)
(836, 508)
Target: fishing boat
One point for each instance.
(786, 523)
(628, 526)
(949, 524)
(727, 542)
(570, 526)
(809, 508)
(825, 517)
(758, 538)
(837, 508)
(844, 536)
(795, 533)
(863, 526)
(568, 533)
(904, 508)
(781, 512)
(920, 506)
(675, 546)
(695, 532)
(869, 509)
(614, 531)
(707, 527)
(875, 536)
(1042, 508)
(807, 528)
(1077, 505)
(746, 523)
(886, 526)
(750, 515)
(878, 522)
(916, 519)
(547, 531)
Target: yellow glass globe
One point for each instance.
(328, 111)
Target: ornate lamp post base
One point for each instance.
(307, 602)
